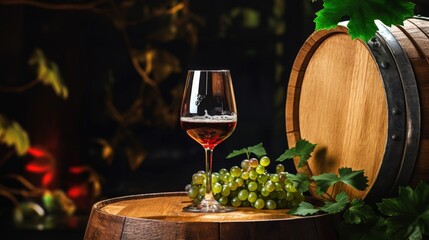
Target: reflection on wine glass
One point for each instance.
(208, 115)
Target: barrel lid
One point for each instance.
(347, 97)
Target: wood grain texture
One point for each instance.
(336, 98)
(101, 226)
(354, 110)
(160, 216)
(341, 106)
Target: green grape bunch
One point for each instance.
(249, 185)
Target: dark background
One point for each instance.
(88, 49)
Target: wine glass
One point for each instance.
(208, 115)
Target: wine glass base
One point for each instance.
(208, 208)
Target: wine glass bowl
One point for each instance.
(208, 115)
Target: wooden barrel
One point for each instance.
(160, 216)
(366, 105)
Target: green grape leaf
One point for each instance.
(303, 209)
(302, 149)
(48, 73)
(12, 134)
(359, 212)
(324, 181)
(356, 179)
(373, 230)
(301, 181)
(407, 214)
(339, 205)
(362, 15)
(257, 149)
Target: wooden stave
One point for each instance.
(417, 50)
(319, 226)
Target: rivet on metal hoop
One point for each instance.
(374, 42)
(396, 111)
(395, 137)
(384, 64)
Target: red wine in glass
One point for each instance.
(208, 133)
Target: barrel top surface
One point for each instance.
(169, 207)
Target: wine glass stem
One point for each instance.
(209, 158)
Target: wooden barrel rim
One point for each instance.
(249, 223)
(283, 216)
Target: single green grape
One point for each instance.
(274, 177)
(262, 178)
(260, 169)
(235, 202)
(223, 171)
(193, 192)
(252, 186)
(235, 171)
(243, 194)
(264, 161)
(231, 178)
(232, 185)
(289, 196)
(197, 179)
(265, 192)
(270, 204)
(225, 190)
(270, 186)
(253, 162)
(253, 175)
(252, 197)
(280, 168)
(217, 188)
(245, 165)
(259, 203)
(224, 177)
(202, 191)
(245, 175)
(223, 200)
